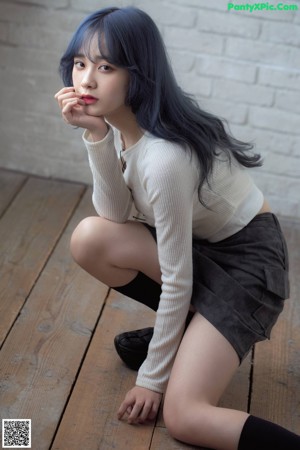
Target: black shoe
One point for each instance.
(132, 346)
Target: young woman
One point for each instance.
(203, 237)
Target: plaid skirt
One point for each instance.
(239, 283)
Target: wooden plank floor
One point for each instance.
(57, 324)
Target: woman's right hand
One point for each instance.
(74, 113)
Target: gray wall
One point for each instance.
(240, 65)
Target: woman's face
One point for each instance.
(102, 86)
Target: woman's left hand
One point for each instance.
(140, 405)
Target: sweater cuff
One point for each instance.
(91, 144)
(159, 387)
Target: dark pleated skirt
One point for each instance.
(239, 283)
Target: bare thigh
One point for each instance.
(115, 252)
(204, 365)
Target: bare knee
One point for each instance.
(180, 417)
(87, 240)
(114, 252)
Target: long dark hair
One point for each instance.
(129, 38)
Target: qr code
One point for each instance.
(16, 433)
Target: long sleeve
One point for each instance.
(170, 183)
(111, 197)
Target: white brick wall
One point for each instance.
(242, 66)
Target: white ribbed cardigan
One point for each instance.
(161, 180)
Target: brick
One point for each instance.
(204, 4)
(270, 184)
(168, 14)
(242, 92)
(297, 16)
(261, 52)
(45, 3)
(273, 119)
(276, 142)
(37, 16)
(44, 147)
(193, 40)
(34, 82)
(195, 85)
(282, 33)
(275, 188)
(274, 184)
(45, 165)
(225, 23)
(39, 37)
(29, 100)
(292, 188)
(249, 134)
(181, 61)
(287, 208)
(232, 112)
(225, 68)
(279, 164)
(91, 5)
(280, 77)
(33, 124)
(288, 101)
(4, 32)
(295, 147)
(269, 141)
(246, 133)
(28, 60)
(294, 58)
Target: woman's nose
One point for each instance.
(88, 81)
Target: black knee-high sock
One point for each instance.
(260, 434)
(146, 291)
(143, 290)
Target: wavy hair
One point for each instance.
(128, 38)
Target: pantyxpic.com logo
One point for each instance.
(262, 7)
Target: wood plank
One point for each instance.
(236, 395)
(43, 352)
(10, 184)
(90, 419)
(29, 230)
(276, 384)
(162, 441)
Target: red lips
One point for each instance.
(89, 99)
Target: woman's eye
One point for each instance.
(78, 64)
(105, 68)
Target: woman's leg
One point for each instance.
(114, 253)
(204, 366)
(123, 256)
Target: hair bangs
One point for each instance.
(92, 26)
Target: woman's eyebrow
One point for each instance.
(96, 58)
